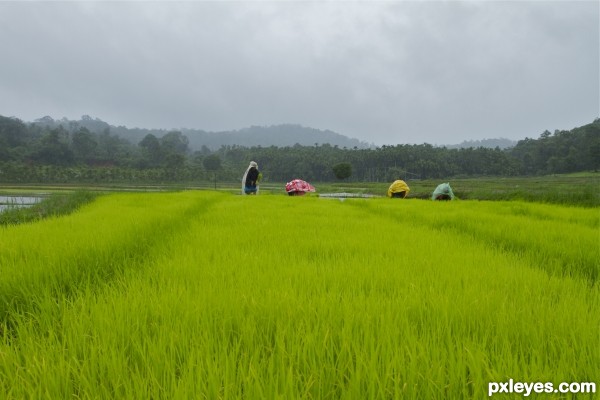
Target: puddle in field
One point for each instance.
(11, 202)
(343, 196)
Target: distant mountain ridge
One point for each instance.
(276, 135)
(282, 135)
(502, 143)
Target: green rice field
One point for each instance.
(207, 295)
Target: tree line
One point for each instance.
(74, 154)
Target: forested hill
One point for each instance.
(74, 153)
(276, 135)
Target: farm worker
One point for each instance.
(443, 192)
(398, 189)
(298, 187)
(251, 178)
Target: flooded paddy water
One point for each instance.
(10, 202)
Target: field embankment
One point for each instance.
(210, 295)
(580, 189)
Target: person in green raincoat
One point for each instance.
(443, 192)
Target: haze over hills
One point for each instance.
(502, 143)
(275, 135)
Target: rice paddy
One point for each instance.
(209, 295)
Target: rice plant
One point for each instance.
(216, 296)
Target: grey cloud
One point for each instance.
(385, 72)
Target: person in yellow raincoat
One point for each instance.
(398, 189)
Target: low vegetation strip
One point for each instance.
(54, 205)
(277, 297)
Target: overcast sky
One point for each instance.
(383, 72)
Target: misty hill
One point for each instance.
(487, 143)
(276, 135)
(265, 136)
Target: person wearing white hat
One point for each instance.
(250, 179)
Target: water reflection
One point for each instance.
(10, 202)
